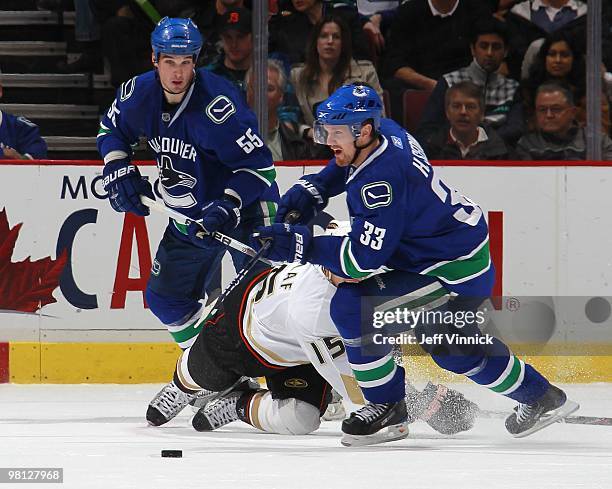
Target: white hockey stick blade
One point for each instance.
(159, 206)
(551, 417)
(392, 433)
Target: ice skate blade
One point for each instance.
(393, 433)
(551, 417)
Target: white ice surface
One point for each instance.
(97, 433)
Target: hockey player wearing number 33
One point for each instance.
(404, 218)
(213, 167)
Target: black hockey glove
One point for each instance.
(446, 410)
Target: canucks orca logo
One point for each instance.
(170, 178)
(220, 109)
(377, 194)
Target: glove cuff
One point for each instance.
(233, 199)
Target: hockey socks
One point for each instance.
(508, 375)
(186, 331)
(380, 378)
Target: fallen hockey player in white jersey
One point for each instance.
(276, 324)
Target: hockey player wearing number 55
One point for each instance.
(213, 167)
(403, 217)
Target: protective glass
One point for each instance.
(332, 134)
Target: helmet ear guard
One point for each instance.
(176, 36)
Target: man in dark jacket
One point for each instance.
(427, 39)
(558, 136)
(467, 138)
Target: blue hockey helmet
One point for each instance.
(176, 36)
(350, 105)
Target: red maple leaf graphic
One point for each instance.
(25, 286)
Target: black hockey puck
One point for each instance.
(172, 453)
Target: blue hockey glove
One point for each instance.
(124, 184)
(289, 243)
(220, 215)
(304, 198)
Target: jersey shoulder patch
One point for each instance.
(127, 89)
(220, 109)
(397, 142)
(376, 194)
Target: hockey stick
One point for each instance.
(183, 219)
(586, 420)
(211, 309)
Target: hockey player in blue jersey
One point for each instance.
(403, 217)
(213, 167)
(19, 138)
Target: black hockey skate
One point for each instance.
(170, 401)
(364, 426)
(529, 418)
(222, 410)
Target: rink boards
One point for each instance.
(550, 240)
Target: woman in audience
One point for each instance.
(329, 65)
(560, 61)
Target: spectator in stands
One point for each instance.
(560, 60)
(378, 15)
(284, 139)
(557, 135)
(329, 65)
(208, 17)
(530, 20)
(290, 30)
(430, 38)
(465, 137)
(235, 29)
(503, 108)
(427, 39)
(19, 138)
